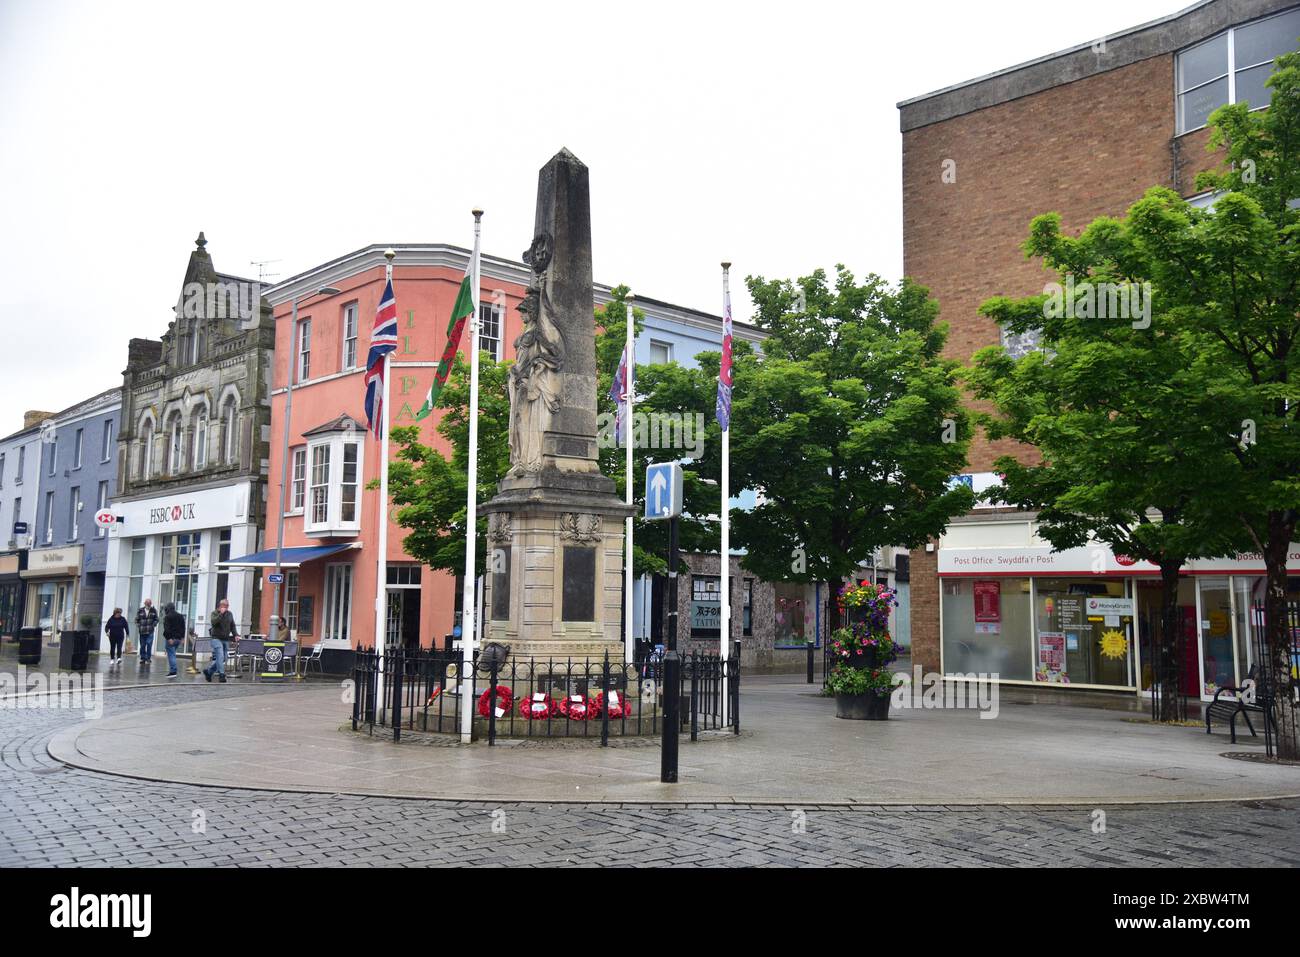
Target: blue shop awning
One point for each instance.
(289, 557)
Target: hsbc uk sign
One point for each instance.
(170, 514)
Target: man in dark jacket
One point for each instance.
(173, 625)
(222, 632)
(146, 622)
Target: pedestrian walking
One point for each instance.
(146, 622)
(222, 632)
(173, 625)
(116, 628)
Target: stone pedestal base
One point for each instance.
(555, 569)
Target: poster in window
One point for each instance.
(1051, 658)
(988, 607)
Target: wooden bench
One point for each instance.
(1239, 702)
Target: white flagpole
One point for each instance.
(469, 595)
(724, 559)
(629, 382)
(381, 565)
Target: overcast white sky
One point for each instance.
(758, 132)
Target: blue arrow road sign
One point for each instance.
(663, 490)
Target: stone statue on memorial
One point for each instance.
(535, 376)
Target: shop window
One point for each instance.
(177, 581)
(223, 573)
(291, 600)
(1082, 641)
(993, 635)
(338, 603)
(135, 591)
(706, 606)
(790, 615)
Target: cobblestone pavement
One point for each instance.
(53, 815)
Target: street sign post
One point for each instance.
(663, 491)
(663, 500)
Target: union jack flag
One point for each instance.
(619, 393)
(383, 340)
(724, 369)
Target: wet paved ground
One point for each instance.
(53, 815)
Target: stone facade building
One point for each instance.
(193, 452)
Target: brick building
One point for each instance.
(1083, 132)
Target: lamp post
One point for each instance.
(284, 463)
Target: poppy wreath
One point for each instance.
(505, 698)
(537, 710)
(621, 708)
(577, 708)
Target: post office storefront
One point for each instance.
(1084, 618)
(52, 577)
(170, 548)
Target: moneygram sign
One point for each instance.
(170, 515)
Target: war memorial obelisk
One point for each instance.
(555, 527)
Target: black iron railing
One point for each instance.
(538, 698)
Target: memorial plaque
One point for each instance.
(500, 559)
(579, 584)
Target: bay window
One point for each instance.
(334, 468)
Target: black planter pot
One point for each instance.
(862, 707)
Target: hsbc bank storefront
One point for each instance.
(169, 548)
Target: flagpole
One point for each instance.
(629, 385)
(381, 564)
(725, 556)
(469, 597)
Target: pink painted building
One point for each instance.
(330, 518)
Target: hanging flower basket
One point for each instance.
(862, 653)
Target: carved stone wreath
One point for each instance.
(579, 527)
(499, 527)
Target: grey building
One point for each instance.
(20, 469)
(64, 569)
(192, 452)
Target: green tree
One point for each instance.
(1221, 400)
(1118, 409)
(849, 427)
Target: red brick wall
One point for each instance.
(1084, 149)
